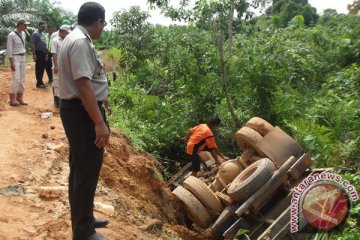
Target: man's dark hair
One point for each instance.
(89, 13)
(41, 24)
(214, 121)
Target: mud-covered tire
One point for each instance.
(247, 138)
(251, 179)
(259, 125)
(196, 211)
(204, 194)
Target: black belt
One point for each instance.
(19, 54)
(74, 103)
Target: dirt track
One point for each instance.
(33, 153)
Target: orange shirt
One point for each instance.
(200, 134)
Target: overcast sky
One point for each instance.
(112, 6)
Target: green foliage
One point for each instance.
(297, 22)
(241, 233)
(51, 15)
(33, 10)
(164, 87)
(330, 126)
(283, 11)
(304, 79)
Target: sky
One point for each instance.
(112, 6)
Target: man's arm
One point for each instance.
(211, 144)
(54, 53)
(216, 152)
(33, 51)
(55, 62)
(88, 98)
(33, 41)
(9, 52)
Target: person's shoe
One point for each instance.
(19, 98)
(100, 223)
(13, 102)
(97, 236)
(41, 86)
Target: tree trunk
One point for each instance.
(230, 29)
(223, 78)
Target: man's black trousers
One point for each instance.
(85, 160)
(41, 65)
(48, 67)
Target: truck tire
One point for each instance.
(247, 138)
(251, 179)
(196, 211)
(259, 125)
(204, 194)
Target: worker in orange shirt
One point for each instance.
(201, 138)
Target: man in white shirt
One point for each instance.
(83, 88)
(55, 52)
(16, 52)
(56, 34)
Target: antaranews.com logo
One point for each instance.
(323, 200)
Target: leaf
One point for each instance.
(310, 142)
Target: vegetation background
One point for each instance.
(290, 66)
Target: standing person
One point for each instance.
(39, 51)
(64, 22)
(200, 138)
(55, 52)
(82, 88)
(16, 52)
(48, 60)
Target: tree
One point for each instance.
(282, 11)
(173, 81)
(222, 18)
(33, 10)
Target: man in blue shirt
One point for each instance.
(39, 51)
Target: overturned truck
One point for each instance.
(252, 192)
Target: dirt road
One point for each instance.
(33, 153)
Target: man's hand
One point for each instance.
(34, 57)
(88, 99)
(12, 66)
(102, 135)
